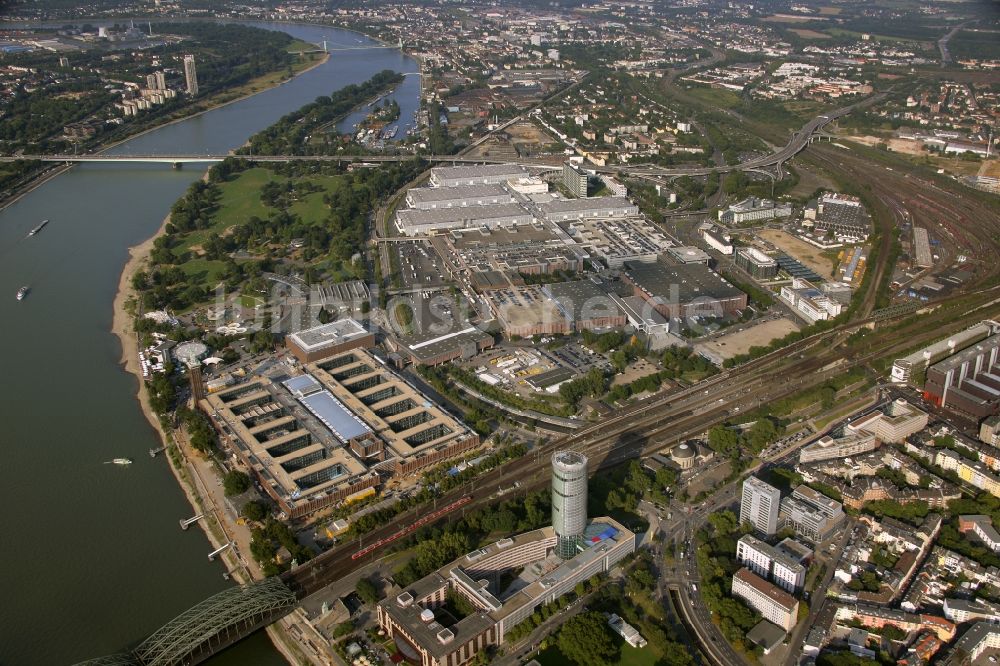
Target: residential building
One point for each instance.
(776, 605)
(191, 75)
(981, 637)
(877, 617)
(972, 472)
(982, 527)
(768, 562)
(760, 505)
(575, 180)
(961, 611)
(989, 430)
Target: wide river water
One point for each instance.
(92, 556)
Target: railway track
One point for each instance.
(964, 223)
(650, 426)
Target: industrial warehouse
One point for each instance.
(342, 426)
(687, 290)
(545, 563)
(558, 308)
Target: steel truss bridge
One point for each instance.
(209, 627)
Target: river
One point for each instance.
(93, 559)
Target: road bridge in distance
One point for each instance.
(799, 140)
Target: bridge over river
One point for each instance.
(799, 140)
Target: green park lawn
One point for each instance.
(713, 97)
(204, 271)
(240, 201)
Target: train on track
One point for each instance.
(429, 518)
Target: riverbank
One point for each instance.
(188, 467)
(33, 184)
(217, 101)
(245, 91)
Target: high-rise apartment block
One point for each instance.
(760, 505)
(191, 75)
(575, 180)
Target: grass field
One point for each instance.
(789, 19)
(975, 44)
(240, 201)
(805, 33)
(301, 45)
(715, 97)
(840, 32)
(204, 271)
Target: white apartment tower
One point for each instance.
(760, 505)
(191, 75)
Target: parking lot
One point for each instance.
(419, 265)
(577, 358)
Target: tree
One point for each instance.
(724, 522)
(723, 440)
(236, 483)
(254, 510)
(367, 591)
(587, 640)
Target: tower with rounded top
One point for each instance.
(569, 500)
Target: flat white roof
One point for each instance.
(322, 336)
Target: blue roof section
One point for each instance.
(597, 532)
(796, 268)
(302, 385)
(335, 416)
